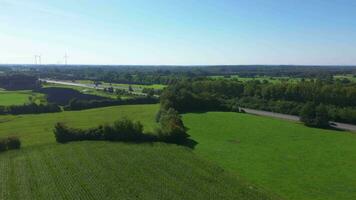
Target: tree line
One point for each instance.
(339, 99)
(31, 108)
(77, 104)
(171, 130)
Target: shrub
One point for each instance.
(65, 134)
(9, 143)
(124, 130)
(3, 145)
(13, 143)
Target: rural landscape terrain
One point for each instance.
(178, 100)
(165, 132)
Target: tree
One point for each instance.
(172, 127)
(130, 88)
(313, 115)
(321, 116)
(307, 114)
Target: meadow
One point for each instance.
(8, 98)
(43, 169)
(287, 158)
(38, 128)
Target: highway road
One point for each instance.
(87, 85)
(342, 126)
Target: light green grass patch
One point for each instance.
(294, 161)
(8, 98)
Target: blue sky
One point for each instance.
(179, 31)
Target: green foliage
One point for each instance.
(124, 130)
(13, 143)
(313, 115)
(172, 128)
(31, 108)
(9, 143)
(3, 144)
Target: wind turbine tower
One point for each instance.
(65, 59)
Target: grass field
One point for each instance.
(104, 170)
(37, 128)
(19, 97)
(289, 159)
(43, 169)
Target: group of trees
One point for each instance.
(19, 82)
(121, 130)
(9, 143)
(31, 108)
(125, 130)
(77, 104)
(315, 115)
(337, 98)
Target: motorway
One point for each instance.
(87, 85)
(337, 125)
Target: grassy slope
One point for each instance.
(37, 129)
(43, 169)
(18, 97)
(287, 158)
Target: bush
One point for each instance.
(9, 143)
(13, 143)
(124, 130)
(3, 145)
(65, 134)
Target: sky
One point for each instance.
(178, 32)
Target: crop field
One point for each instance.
(287, 158)
(43, 169)
(38, 128)
(19, 97)
(104, 170)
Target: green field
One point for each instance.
(43, 169)
(37, 128)
(8, 98)
(289, 159)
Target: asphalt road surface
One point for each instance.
(342, 126)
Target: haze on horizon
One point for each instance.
(179, 32)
